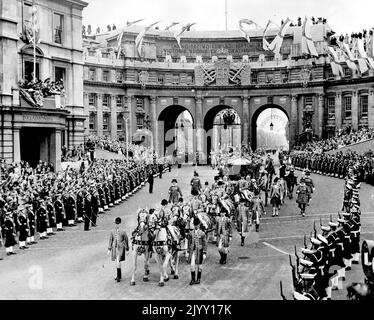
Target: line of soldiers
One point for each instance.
(322, 266)
(336, 165)
(65, 199)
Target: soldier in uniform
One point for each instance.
(118, 246)
(9, 234)
(42, 220)
(95, 204)
(70, 210)
(102, 198)
(31, 221)
(197, 248)
(223, 232)
(309, 182)
(51, 216)
(174, 192)
(23, 230)
(195, 183)
(87, 213)
(60, 212)
(244, 220)
(303, 195)
(80, 205)
(150, 181)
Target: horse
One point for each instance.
(141, 244)
(162, 247)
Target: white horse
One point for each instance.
(163, 252)
(140, 244)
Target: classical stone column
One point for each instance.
(154, 123)
(354, 110)
(293, 120)
(245, 134)
(55, 146)
(338, 110)
(113, 117)
(321, 102)
(130, 116)
(17, 145)
(371, 108)
(199, 132)
(99, 115)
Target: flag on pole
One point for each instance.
(307, 44)
(276, 44)
(171, 25)
(247, 22)
(179, 33)
(265, 43)
(140, 37)
(120, 36)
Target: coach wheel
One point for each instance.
(367, 259)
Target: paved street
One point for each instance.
(74, 265)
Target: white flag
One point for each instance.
(179, 33)
(307, 44)
(248, 22)
(140, 37)
(171, 25)
(276, 44)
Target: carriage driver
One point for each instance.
(197, 247)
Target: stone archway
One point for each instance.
(167, 128)
(209, 118)
(254, 122)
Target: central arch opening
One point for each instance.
(222, 125)
(176, 124)
(270, 128)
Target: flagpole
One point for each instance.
(226, 14)
(34, 40)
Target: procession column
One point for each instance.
(371, 108)
(245, 120)
(293, 120)
(199, 133)
(355, 110)
(154, 123)
(113, 117)
(338, 111)
(321, 100)
(99, 116)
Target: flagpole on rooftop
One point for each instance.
(34, 40)
(226, 15)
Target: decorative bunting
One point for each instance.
(307, 44)
(276, 44)
(179, 33)
(171, 25)
(248, 22)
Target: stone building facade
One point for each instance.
(214, 71)
(28, 132)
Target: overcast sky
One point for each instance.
(342, 15)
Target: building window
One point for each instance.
(347, 107)
(308, 101)
(92, 74)
(161, 79)
(58, 23)
(119, 101)
(254, 77)
(189, 80)
(29, 70)
(347, 72)
(60, 74)
(329, 74)
(285, 76)
(105, 122)
(119, 77)
(92, 99)
(140, 103)
(106, 100)
(176, 79)
(331, 107)
(140, 120)
(106, 75)
(363, 106)
(269, 77)
(119, 122)
(92, 122)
